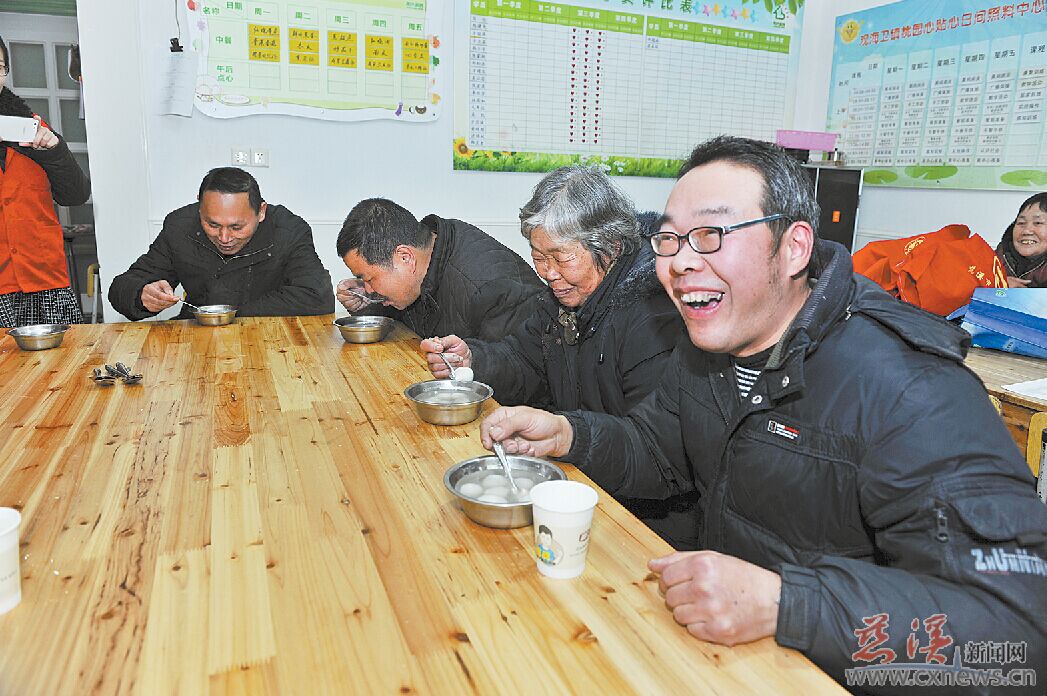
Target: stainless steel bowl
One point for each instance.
(364, 329)
(499, 515)
(39, 336)
(448, 402)
(215, 314)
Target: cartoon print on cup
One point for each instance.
(548, 550)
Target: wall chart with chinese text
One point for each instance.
(343, 60)
(631, 85)
(944, 93)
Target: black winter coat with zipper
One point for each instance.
(475, 286)
(867, 467)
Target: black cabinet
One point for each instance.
(838, 190)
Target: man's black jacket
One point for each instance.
(868, 468)
(276, 274)
(475, 286)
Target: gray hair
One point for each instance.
(580, 204)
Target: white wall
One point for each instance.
(144, 164)
(116, 134)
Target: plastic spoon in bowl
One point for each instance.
(500, 452)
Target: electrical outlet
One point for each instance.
(241, 157)
(259, 158)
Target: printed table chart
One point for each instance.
(956, 101)
(583, 81)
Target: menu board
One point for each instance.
(328, 59)
(631, 86)
(947, 94)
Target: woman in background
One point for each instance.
(1023, 249)
(34, 279)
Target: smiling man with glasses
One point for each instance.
(852, 472)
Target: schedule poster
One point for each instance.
(628, 85)
(342, 60)
(943, 94)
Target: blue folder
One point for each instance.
(1008, 319)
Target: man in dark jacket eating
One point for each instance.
(230, 247)
(861, 500)
(437, 276)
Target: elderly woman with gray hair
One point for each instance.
(602, 333)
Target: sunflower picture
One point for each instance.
(461, 149)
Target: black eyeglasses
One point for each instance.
(704, 240)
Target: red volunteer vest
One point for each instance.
(32, 254)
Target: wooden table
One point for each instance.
(266, 514)
(996, 368)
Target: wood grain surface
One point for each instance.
(997, 368)
(266, 514)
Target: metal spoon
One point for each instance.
(500, 452)
(443, 356)
(129, 377)
(100, 379)
(365, 298)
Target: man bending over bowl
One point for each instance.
(861, 500)
(230, 247)
(437, 276)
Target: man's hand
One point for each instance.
(44, 140)
(721, 599)
(457, 350)
(526, 430)
(1015, 282)
(159, 295)
(350, 292)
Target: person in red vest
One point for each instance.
(34, 279)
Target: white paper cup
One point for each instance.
(563, 518)
(10, 578)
